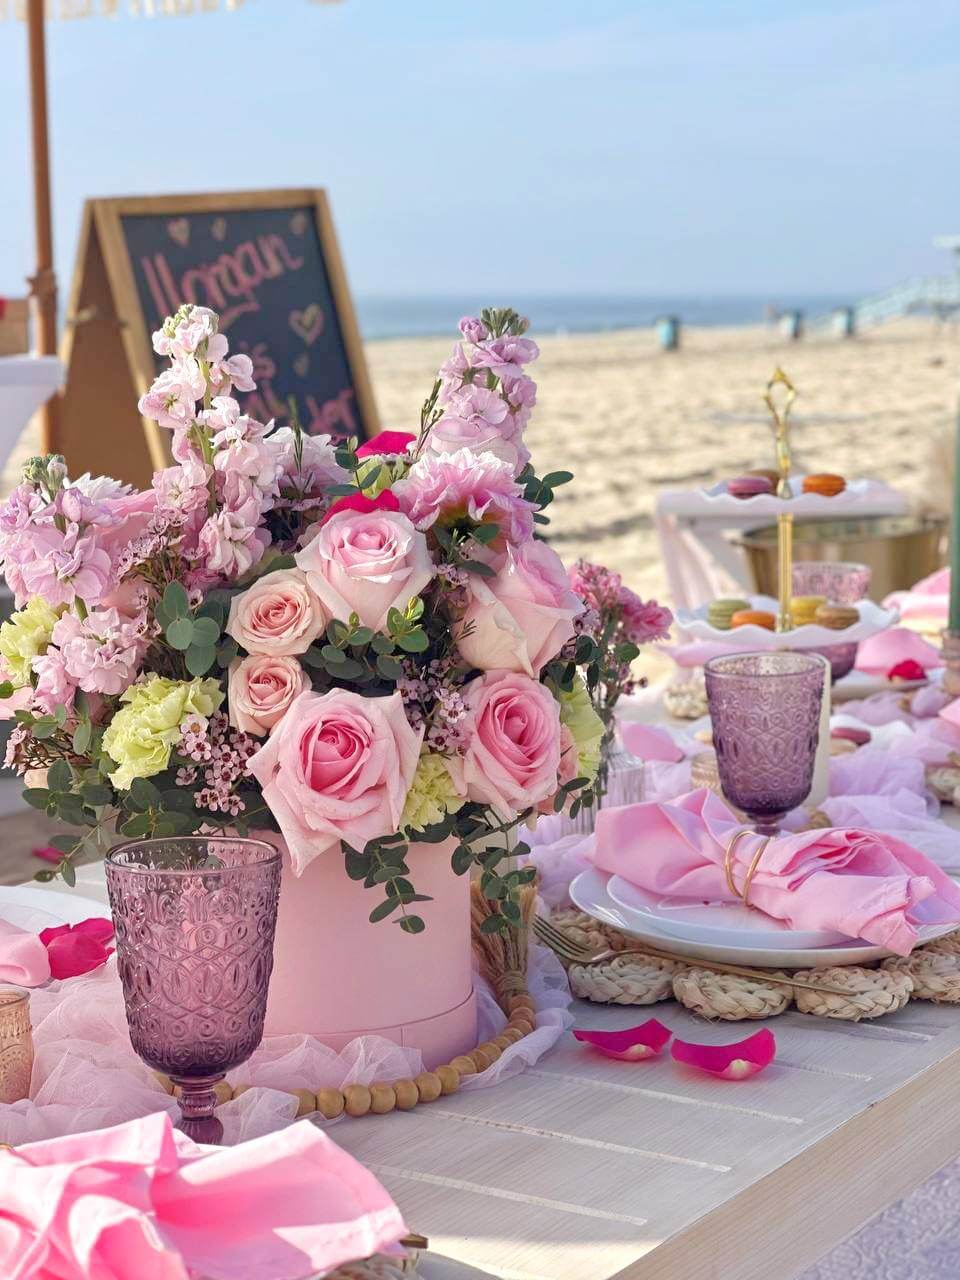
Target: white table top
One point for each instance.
(585, 1168)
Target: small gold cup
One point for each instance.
(16, 1044)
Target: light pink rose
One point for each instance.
(278, 615)
(367, 563)
(522, 617)
(338, 766)
(512, 733)
(261, 689)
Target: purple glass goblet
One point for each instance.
(765, 709)
(195, 918)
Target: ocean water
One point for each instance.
(418, 317)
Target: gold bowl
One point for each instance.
(900, 550)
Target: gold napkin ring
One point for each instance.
(735, 839)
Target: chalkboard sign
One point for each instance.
(266, 261)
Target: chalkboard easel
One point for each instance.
(267, 261)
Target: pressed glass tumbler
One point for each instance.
(765, 710)
(195, 918)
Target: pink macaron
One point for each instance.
(749, 486)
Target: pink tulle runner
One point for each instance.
(86, 1075)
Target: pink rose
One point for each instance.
(278, 615)
(338, 766)
(367, 563)
(512, 732)
(522, 617)
(261, 689)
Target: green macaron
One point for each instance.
(720, 612)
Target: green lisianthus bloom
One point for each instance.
(24, 637)
(143, 733)
(586, 727)
(432, 794)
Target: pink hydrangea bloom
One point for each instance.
(101, 653)
(451, 486)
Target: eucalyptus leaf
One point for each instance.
(200, 658)
(179, 634)
(175, 600)
(411, 924)
(59, 776)
(205, 631)
(383, 909)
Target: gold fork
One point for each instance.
(574, 953)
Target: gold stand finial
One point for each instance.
(780, 413)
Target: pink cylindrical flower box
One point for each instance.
(336, 976)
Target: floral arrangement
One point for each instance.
(356, 646)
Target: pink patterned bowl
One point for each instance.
(840, 581)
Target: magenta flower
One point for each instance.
(387, 442)
(634, 1044)
(737, 1061)
(447, 487)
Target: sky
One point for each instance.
(556, 146)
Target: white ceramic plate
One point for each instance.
(721, 923)
(873, 619)
(35, 909)
(589, 892)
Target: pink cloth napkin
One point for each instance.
(929, 598)
(881, 653)
(23, 957)
(860, 883)
(141, 1202)
(647, 742)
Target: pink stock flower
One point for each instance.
(512, 755)
(102, 652)
(478, 404)
(476, 486)
(643, 620)
(451, 434)
(338, 766)
(521, 618)
(184, 488)
(318, 463)
(65, 566)
(278, 615)
(473, 330)
(54, 686)
(261, 690)
(199, 325)
(230, 543)
(367, 563)
(228, 372)
(505, 356)
(172, 400)
(520, 393)
(386, 442)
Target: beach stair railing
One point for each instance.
(939, 295)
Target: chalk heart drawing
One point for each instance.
(178, 229)
(301, 365)
(308, 323)
(218, 228)
(299, 223)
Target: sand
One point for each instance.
(628, 419)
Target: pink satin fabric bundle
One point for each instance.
(141, 1202)
(863, 884)
(23, 957)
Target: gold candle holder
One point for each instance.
(16, 1044)
(780, 414)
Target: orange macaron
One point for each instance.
(756, 617)
(827, 485)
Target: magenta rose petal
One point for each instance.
(99, 927)
(737, 1061)
(633, 1044)
(75, 953)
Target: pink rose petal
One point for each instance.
(631, 1045)
(736, 1061)
(386, 442)
(47, 853)
(76, 949)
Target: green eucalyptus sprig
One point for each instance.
(194, 633)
